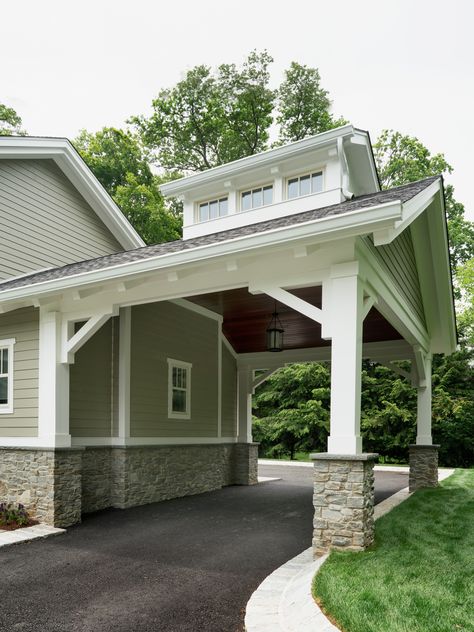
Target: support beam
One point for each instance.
(346, 361)
(53, 387)
(262, 378)
(244, 405)
(285, 297)
(71, 345)
(125, 345)
(423, 419)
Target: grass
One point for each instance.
(304, 456)
(419, 575)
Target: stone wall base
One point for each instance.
(343, 502)
(423, 461)
(57, 486)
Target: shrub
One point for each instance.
(12, 513)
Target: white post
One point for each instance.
(125, 338)
(53, 384)
(423, 420)
(346, 359)
(244, 410)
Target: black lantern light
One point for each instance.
(275, 333)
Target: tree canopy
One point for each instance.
(10, 122)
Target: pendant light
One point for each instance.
(275, 333)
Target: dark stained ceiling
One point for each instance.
(247, 316)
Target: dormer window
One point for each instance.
(305, 185)
(261, 196)
(212, 209)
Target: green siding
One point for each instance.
(44, 221)
(398, 260)
(23, 325)
(229, 393)
(161, 331)
(91, 392)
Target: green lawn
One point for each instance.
(418, 577)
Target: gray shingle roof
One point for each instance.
(401, 193)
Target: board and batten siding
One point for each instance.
(23, 326)
(92, 400)
(161, 331)
(44, 221)
(398, 260)
(229, 394)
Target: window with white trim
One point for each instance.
(212, 209)
(6, 375)
(254, 198)
(305, 184)
(179, 389)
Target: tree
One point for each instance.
(465, 279)
(10, 122)
(121, 164)
(210, 118)
(303, 105)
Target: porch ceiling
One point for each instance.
(246, 318)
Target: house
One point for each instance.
(127, 370)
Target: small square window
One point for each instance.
(261, 196)
(179, 389)
(212, 209)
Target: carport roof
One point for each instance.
(400, 194)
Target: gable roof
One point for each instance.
(63, 153)
(361, 213)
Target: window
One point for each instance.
(179, 389)
(212, 209)
(6, 376)
(304, 185)
(256, 197)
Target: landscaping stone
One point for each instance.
(423, 466)
(343, 502)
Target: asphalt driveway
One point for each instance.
(184, 565)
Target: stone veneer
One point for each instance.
(57, 486)
(423, 466)
(343, 502)
(46, 481)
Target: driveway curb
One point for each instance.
(28, 533)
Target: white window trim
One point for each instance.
(217, 198)
(251, 190)
(300, 175)
(9, 343)
(180, 365)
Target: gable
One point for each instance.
(44, 221)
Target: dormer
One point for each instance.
(312, 173)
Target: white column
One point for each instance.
(346, 359)
(125, 345)
(423, 420)
(53, 384)
(244, 406)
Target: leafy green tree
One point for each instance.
(10, 122)
(210, 118)
(465, 279)
(303, 105)
(121, 164)
(292, 410)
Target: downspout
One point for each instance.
(346, 192)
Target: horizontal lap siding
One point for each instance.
(23, 325)
(161, 331)
(398, 260)
(44, 221)
(229, 393)
(90, 403)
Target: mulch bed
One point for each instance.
(13, 526)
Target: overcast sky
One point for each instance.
(404, 64)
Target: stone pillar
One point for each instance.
(423, 466)
(343, 502)
(245, 464)
(67, 487)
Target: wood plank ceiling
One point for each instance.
(247, 316)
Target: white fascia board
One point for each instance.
(362, 138)
(78, 173)
(361, 221)
(258, 160)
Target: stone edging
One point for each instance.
(284, 602)
(28, 533)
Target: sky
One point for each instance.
(404, 65)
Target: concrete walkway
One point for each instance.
(28, 533)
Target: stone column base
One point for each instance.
(245, 464)
(423, 466)
(343, 502)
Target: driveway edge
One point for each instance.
(284, 602)
(28, 533)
